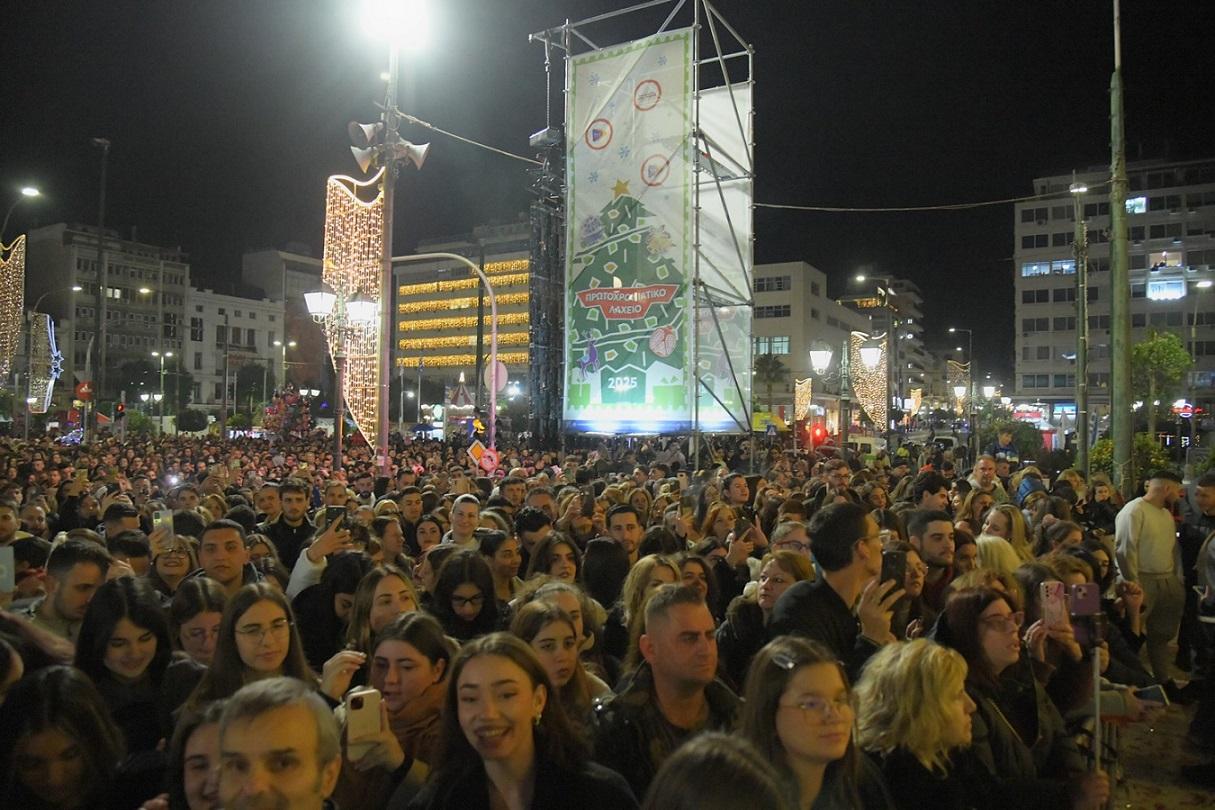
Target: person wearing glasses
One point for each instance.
(257, 639)
(173, 558)
(744, 630)
(1018, 735)
(463, 600)
(798, 711)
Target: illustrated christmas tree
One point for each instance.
(621, 250)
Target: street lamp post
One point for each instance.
(343, 317)
(27, 193)
(970, 388)
(161, 418)
(1080, 248)
(820, 362)
(290, 344)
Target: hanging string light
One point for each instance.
(12, 300)
(457, 341)
(957, 375)
(869, 378)
(447, 304)
(354, 239)
(46, 363)
(452, 360)
(504, 319)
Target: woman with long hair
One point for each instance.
(428, 533)
(551, 633)
(1020, 738)
(745, 629)
(506, 742)
(193, 773)
(1005, 520)
(384, 593)
(501, 551)
(59, 749)
(409, 664)
(718, 521)
(324, 609)
(623, 626)
(125, 650)
(195, 615)
(464, 601)
(257, 639)
(556, 556)
(798, 711)
(974, 510)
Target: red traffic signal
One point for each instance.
(818, 435)
(120, 410)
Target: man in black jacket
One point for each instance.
(291, 532)
(671, 697)
(847, 545)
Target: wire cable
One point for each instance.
(915, 208)
(413, 120)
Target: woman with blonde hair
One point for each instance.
(1006, 521)
(645, 577)
(915, 717)
(744, 630)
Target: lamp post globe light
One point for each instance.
(342, 318)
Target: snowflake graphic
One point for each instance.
(594, 80)
(593, 177)
(624, 152)
(662, 60)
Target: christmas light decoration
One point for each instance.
(354, 239)
(46, 363)
(869, 383)
(456, 341)
(507, 266)
(504, 319)
(450, 360)
(12, 300)
(446, 304)
(957, 376)
(432, 287)
(803, 391)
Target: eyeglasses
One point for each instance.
(822, 707)
(176, 551)
(257, 632)
(791, 545)
(468, 601)
(202, 633)
(1009, 624)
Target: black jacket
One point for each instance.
(290, 541)
(593, 787)
(739, 638)
(634, 738)
(812, 609)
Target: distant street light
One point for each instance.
(27, 193)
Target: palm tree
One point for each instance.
(769, 370)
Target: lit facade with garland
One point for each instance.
(436, 305)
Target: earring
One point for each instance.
(537, 720)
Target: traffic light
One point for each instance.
(818, 435)
(120, 410)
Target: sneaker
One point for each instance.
(1202, 775)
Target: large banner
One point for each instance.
(628, 352)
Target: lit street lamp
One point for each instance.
(970, 382)
(290, 344)
(343, 318)
(27, 193)
(161, 399)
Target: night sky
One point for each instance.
(226, 117)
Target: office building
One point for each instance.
(227, 333)
(1171, 227)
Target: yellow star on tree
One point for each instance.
(620, 189)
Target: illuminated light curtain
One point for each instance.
(12, 300)
(803, 392)
(869, 384)
(957, 375)
(354, 245)
(46, 363)
(917, 399)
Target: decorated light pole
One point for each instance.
(342, 319)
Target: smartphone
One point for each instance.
(332, 513)
(1152, 694)
(362, 713)
(162, 517)
(1054, 604)
(588, 502)
(894, 566)
(1084, 600)
(8, 570)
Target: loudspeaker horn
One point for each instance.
(363, 157)
(415, 153)
(363, 135)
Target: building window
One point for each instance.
(1138, 319)
(1043, 353)
(773, 284)
(1064, 294)
(815, 290)
(1031, 241)
(1065, 380)
(197, 361)
(1063, 267)
(221, 332)
(251, 337)
(196, 329)
(1029, 269)
(773, 311)
(1062, 238)
(1065, 324)
(1035, 296)
(219, 391)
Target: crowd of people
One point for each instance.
(197, 624)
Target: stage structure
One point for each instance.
(45, 361)
(351, 268)
(12, 301)
(658, 235)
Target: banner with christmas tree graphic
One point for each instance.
(629, 239)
